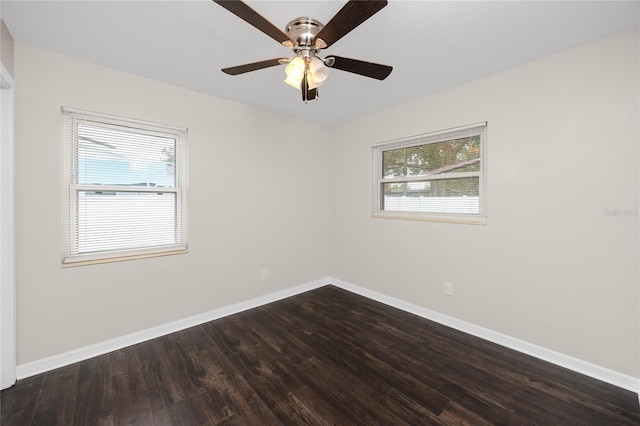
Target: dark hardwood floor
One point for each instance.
(323, 357)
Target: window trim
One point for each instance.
(70, 116)
(427, 138)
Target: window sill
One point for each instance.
(73, 263)
(432, 218)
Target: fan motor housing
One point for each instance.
(303, 30)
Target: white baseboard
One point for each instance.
(583, 367)
(77, 355)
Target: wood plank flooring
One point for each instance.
(325, 357)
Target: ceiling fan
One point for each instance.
(306, 70)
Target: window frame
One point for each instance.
(70, 252)
(479, 129)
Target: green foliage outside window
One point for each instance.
(433, 159)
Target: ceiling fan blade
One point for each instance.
(304, 88)
(367, 69)
(244, 12)
(308, 94)
(254, 66)
(352, 14)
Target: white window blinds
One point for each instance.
(436, 176)
(125, 192)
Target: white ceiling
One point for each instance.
(432, 45)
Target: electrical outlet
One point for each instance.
(264, 274)
(448, 289)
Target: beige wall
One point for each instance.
(550, 267)
(256, 199)
(6, 48)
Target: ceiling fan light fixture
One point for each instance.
(312, 83)
(319, 71)
(293, 83)
(295, 70)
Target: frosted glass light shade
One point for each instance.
(295, 72)
(319, 70)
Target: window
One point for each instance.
(437, 176)
(124, 188)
